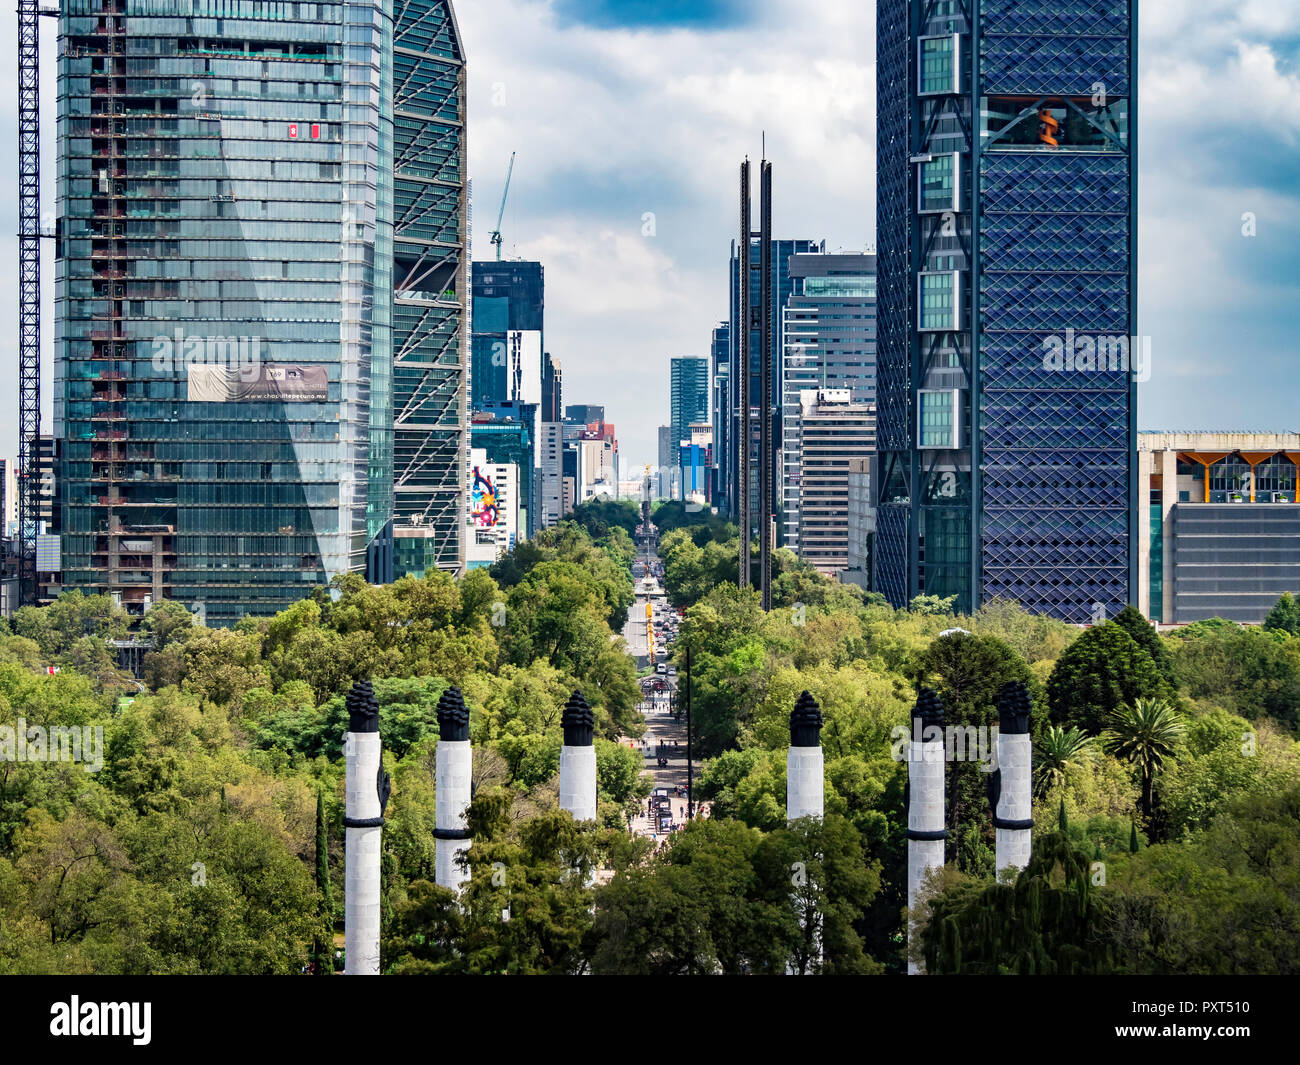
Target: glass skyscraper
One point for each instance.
(689, 395)
(1007, 303)
(509, 310)
(225, 289)
(719, 361)
(829, 344)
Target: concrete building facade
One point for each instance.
(1219, 529)
(833, 431)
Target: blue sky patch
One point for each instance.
(652, 14)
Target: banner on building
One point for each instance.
(286, 382)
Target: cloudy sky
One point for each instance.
(622, 108)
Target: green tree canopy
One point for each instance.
(1101, 671)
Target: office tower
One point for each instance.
(1006, 232)
(505, 433)
(608, 433)
(719, 356)
(550, 455)
(44, 454)
(584, 413)
(695, 460)
(8, 498)
(552, 390)
(829, 344)
(862, 524)
(223, 300)
(431, 343)
(1220, 525)
(549, 475)
(569, 479)
(667, 463)
(833, 431)
(689, 401)
(782, 285)
(590, 456)
(596, 472)
(509, 306)
(508, 312)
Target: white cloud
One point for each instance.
(609, 124)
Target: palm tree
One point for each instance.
(1144, 734)
(1059, 751)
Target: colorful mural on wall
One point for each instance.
(484, 508)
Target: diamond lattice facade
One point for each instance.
(1007, 354)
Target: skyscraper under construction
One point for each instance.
(260, 296)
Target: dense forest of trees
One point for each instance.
(1167, 784)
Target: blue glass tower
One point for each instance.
(1007, 302)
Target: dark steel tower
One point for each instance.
(742, 368)
(766, 466)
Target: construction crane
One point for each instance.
(496, 233)
(29, 288)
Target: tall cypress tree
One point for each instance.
(325, 935)
(1047, 922)
(1144, 634)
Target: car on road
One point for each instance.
(661, 669)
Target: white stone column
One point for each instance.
(805, 792)
(578, 760)
(925, 809)
(1013, 817)
(578, 782)
(365, 798)
(454, 770)
(805, 788)
(804, 783)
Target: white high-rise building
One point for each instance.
(828, 332)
